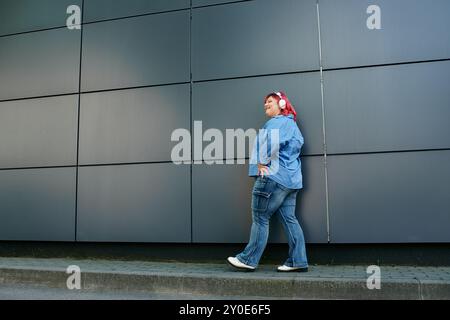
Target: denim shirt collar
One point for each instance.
(290, 115)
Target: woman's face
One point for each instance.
(271, 107)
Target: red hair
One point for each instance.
(289, 109)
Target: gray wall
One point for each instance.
(86, 117)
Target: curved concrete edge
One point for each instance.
(271, 288)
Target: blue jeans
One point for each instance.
(269, 197)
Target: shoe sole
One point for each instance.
(295, 270)
(240, 268)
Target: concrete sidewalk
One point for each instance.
(220, 281)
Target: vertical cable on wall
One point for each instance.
(323, 123)
(190, 107)
(78, 120)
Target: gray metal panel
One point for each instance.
(403, 107)
(138, 51)
(39, 63)
(38, 132)
(37, 204)
(411, 30)
(390, 197)
(221, 198)
(198, 3)
(248, 38)
(226, 105)
(132, 125)
(110, 9)
(134, 203)
(28, 15)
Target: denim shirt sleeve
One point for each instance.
(277, 128)
(265, 148)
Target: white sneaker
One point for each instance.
(237, 264)
(284, 268)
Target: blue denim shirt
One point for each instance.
(286, 169)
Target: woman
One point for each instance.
(279, 178)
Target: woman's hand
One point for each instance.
(262, 170)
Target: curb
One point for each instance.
(234, 285)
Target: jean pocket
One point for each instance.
(260, 200)
(261, 179)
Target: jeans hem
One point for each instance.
(240, 260)
(305, 266)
